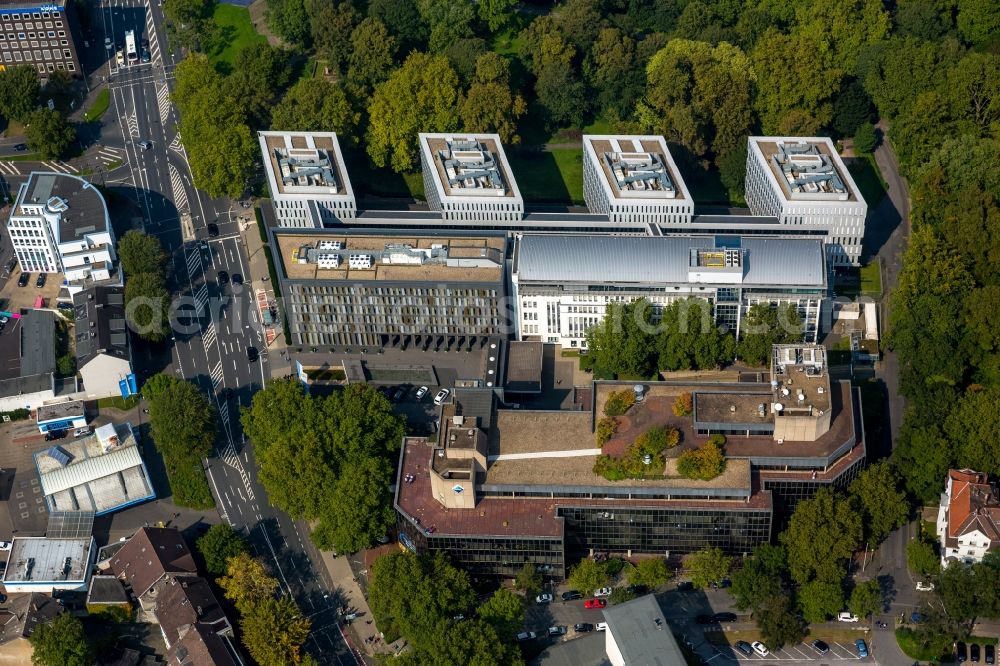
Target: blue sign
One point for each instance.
(303, 377)
(123, 387)
(130, 378)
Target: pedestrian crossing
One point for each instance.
(9, 168)
(180, 194)
(201, 296)
(163, 102)
(133, 124)
(217, 375)
(209, 336)
(176, 144)
(224, 412)
(61, 167)
(110, 155)
(230, 458)
(193, 259)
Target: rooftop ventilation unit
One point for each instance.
(468, 165)
(807, 170)
(360, 261)
(639, 172)
(57, 204)
(306, 168)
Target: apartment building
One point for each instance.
(468, 178)
(379, 289)
(804, 183)
(968, 524)
(307, 178)
(60, 224)
(40, 36)
(563, 284)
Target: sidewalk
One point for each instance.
(250, 234)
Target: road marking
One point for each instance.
(209, 336)
(180, 194)
(176, 144)
(9, 168)
(217, 376)
(132, 121)
(193, 261)
(163, 102)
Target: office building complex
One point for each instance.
(467, 177)
(563, 284)
(38, 35)
(804, 183)
(383, 289)
(634, 179)
(307, 178)
(499, 487)
(60, 224)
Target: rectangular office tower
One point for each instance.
(39, 36)
(307, 178)
(634, 179)
(468, 178)
(804, 183)
(563, 284)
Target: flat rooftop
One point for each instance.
(806, 168)
(391, 257)
(642, 634)
(66, 409)
(305, 163)
(636, 167)
(469, 166)
(78, 203)
(37, 559)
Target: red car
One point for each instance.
(595, 603)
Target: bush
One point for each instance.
(610, 468)
(924, 645)
(619, 402)
(702, 464)
(614, 566)
(110, 614)
(865, 138)
(657, 438)
(16, 415)
(684, 405)
(633, 464)
(606, 428)
(620, 595)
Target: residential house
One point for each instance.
(968, 524)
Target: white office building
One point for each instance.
(468, 178)
(40, 564)
(634, 179)
(563, 284)
(804, 183)
(307, 178)
(60, 224)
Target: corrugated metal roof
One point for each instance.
(661, 260)
(90, 469)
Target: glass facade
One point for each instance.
(788, 493)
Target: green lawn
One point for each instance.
(118, 402)
(554, 176)
(507, 43)
(868, 178)
(235, 33)
(923, 646)
(99, 106)
(871, 279)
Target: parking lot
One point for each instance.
(799, 653)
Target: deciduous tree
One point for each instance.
(139, 252)
(289, 20)
(373, 53)
(247, 583)
(449, 21)
(820, 600)
(147, 306)
(504, 611)
(331, 25)
(651, 572)
(922, 558)
(490, 105)
(61, 642)
(274, 630)
(765, 327)
(587, 576)
(623, 343)
(779, 621)
(189, 22)
(708, 565)
(562, 95)
(866, 599)
(822, 534)
(528, 580)
(760, 578)
(403, 21)
(218, 545)
(49, 133)
(882, 504)
(316, 106)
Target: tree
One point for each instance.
(141, 253)
(623, 342)
(704, 463)
(957, 588)
(866, 599)
(466, 642)
(614, 71)
(651, 572)
(290, 21)
(543, 44)
(765, 327)
(921, 19)
(61, 642)
(411, 595)
(420, 96)
(59, 83)
(274, 631)
(66, 365)
(882, 504)
(373, 54)
(259, 76)
(358, 511)
(147, 305)
(528, 580)
(48, 133)
(247, 583)
(189, 22)
(708, 565)
(760, 578)
(19, 92)
(218, 545)
(562, 95)
(490, 105)
(316, 106)
(580, 21)
(504, 611)
(462, 55)
(778, 621)
(922, 558)
(449, 21)
(865, 138)
(820, 600)
(689, 339)
(851, 108)
(587, 576)
(978, 22)
(821, 535)
(331, 25)
(403, 21)
(733, 171)
(972, 419)
(496, 13)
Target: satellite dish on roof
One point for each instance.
(778, 407)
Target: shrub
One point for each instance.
(633, 464)
(606, 427)
(657, 438)
(620, 595)
(703, 464)
(683, 405)
(619, 402)
(110, 614)
(16, 415)
(610, 468)
(865, 138)
(718, 439)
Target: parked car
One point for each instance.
(21, 147)
(557, 631)
(917, 618)
(583, 627)
(595, 603)
(721, 584)
(820, 646)
(40, 280)
(570, 595)
(744, 647)
(603, 592)
(845, 616)
(252, 354)
(399, 395)
(223, 277)
(80, 432)
(991, 654)
(602, 626)
(23, 280)
(9, 266)
(4, 545)
(724, 617)
(704, 619)
(924, 587)
(441, 396)
(961, 654)
(974, 653)
(543, 598)
(421, 392)
(53, 435)
(526, 636)
(145, 55)
(237, 279)
(862, 648)
(685, 586)
(760, 648)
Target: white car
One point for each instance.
(80, 432)
(603, 592)
(760, 648)
(421, 392)
(924, 587)
(544, 598)
(441, 396)
(120, 58)
(602, 626)
(844, 616)
(4, 545)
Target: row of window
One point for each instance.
(35, 15)
(41, 35)
(39, 55)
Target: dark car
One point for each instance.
(704, 619)
(399, 394)
(53, 435)
(252, 354)
(960, 652)
(213, 230)
(917, 618)
(223, 277)
(820, 646)
(974, 653)
(583, 627)
(9, 266)
(23, 280)
(744, 647)
(724, 617)
(991, 654)
(721, 584)
(685, 586)
(570, 595)
(237, 278)
(40, 280)
(637, 589)
(21, 147)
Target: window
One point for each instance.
(71, 67)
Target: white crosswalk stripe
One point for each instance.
(133, 124)
(209, 336)
(60, 167)
(217, 376)
(109, 155)
(70, 167)
(224, 412)
(202, 296)
(180, 194)
(193, 261)
(9, 168)
(230, 458)
(163, 102)
(176, 144)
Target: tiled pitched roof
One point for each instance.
(186, 600)
(151, 553)
(972, 505)
(199, 645)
